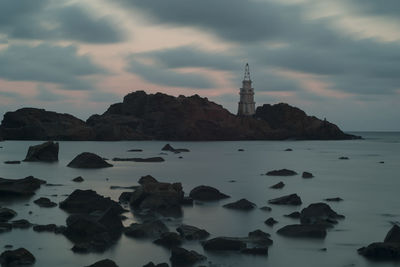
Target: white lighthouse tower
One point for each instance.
(246, 103)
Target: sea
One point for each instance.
(369, 189)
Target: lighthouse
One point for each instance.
(246, 104)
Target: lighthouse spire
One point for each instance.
(247, 73)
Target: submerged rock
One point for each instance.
(333, 199)
(49, 228)
(88, 160)
(21, 224)
(344, 158)
(151, 264)
(206, 193)
(292, 199)
(242, 204)
(183, 257)
(146, 229)
(192, 233)
(17, 257)
(44, 202)
(279, 185)
(135, 150)
(47, 152)
(5, 227)
(307, 175)
(266, 208)
(282, 172)
(224, 243)
(24, 186)
(104, 263)
(303, 230)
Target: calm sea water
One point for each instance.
(370, 191)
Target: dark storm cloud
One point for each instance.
(51, 20)
(47, 63)
(162, 76)
(314, 46)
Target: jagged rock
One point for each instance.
(168, 147)
(44, 202)
(153, 159)
(169, 239)
(242, 204)
(88, 160)
(17, 257)
(147, 179)
(24, 186)
(282, 172)
(270, 221)
(147, 229)
(39, 124)
(88, 201)
(294, 215)
(125, 197)
(183, 257)
(319, 213)
(104, 263)
(47, 152)
(12, 162)
(78, 179)
(206, 193)
(7, 214)
(192, 233)
(307, 175)
(303, 230)
(21, 224)
(292, 199)
(260, 238)
(333, 199)
(279, 185)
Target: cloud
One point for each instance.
(48, 95)
(166, 77)
(104, 97)
(372, 7)
(47, 63)
(52, 20)
(9, 94)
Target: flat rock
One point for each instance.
(184, 257)
(47, 152)
(44, 202)
(87, 160)
(168, 147)
(104, 263)
(206, 193)
(152, 159)
(17, 257)
(12, 162)
(7, 214)
(292, 199)
(146, 229)
(303, 230)
(169, 240)
(333, 199)
(279, 185)
(18, 187)
(307, 175)
(282, 172)
(192, 233)
(242, 204)
(135, 150)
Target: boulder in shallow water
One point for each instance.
(270, 221)
(307, 175)
(393, 236)
(18, 187)
(87, 160)
(44, 202)
(184, 257)
(12, 162)
(282, 172)
(192, 233)
(78, 179)
(168, 147)
(151, 264)
(279, 185)
(292, 199)
(146, 229)
(293, 215)
(242, 204)
(224, 243)
(381, 251)
(47, 152)
(319, 213)
(17, 257)
(206, 193)
(169, 240)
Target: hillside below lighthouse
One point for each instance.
(246, 104)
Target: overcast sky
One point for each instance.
(338, 59)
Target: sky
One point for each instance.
(335, 59)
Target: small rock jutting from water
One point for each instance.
(242, 204)
(307, 175)
(207, 193)
(282, 172)
(292, 199)
(47, 152)
(87, 160)
(279, 185)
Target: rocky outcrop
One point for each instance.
(20, 187)
(206, 193)
(279, 185)
(39, 124)
(307, 175)
(47, 152)
(389, 249)
(17, 257)
(87, 160)
(7, 214)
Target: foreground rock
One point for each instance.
(44, 202)
(154, 196)
(189, 232)
(88, 201)
(206, 193)
(183, 257)
(87, 160)
(282, 172)
(242, 204)
(303, 230)
(292, 199)
(319, 213)
(104, 263)
(153, 159)
(389, 249)
(47, 152)
(146, 229)
(17, 257)
(20, 187)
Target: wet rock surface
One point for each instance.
(169, 240)
(206, 193)
(319, 213)
(303, 231)
(47, 152)
(7, 214)
(279, 185)
(87, 160)
(307, 175)
(270, 221)
(78, 179)
(12, 162)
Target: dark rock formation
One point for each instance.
(288, 149)
(266, 208)
(279, 185)
(135, 150)
(333, 199)
(169, 148)
(183, 257)
(282, 172)
(389, 249)
(49, 228)
(47, 152)
(206, 193)
(21, 224)
(191, 232)
(17, 257)
(153, 159)
(293, 215)
(5, 227)
(224, 243)
(147, 229)
(242, 204)
(78, 179)
(319, 213)
(44, 202)
(169, 240)
(125, 197)
(12, 162)
(88, 201)
(104, 263)
(270, 221)
(344, 158)
(88, 160)
(292, 199)
(20, 187)
(303, 230)
(39, 124)
(7, 214)
(151, 264)
(307, 175)
(293, 123)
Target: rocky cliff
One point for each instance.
(159, 116)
